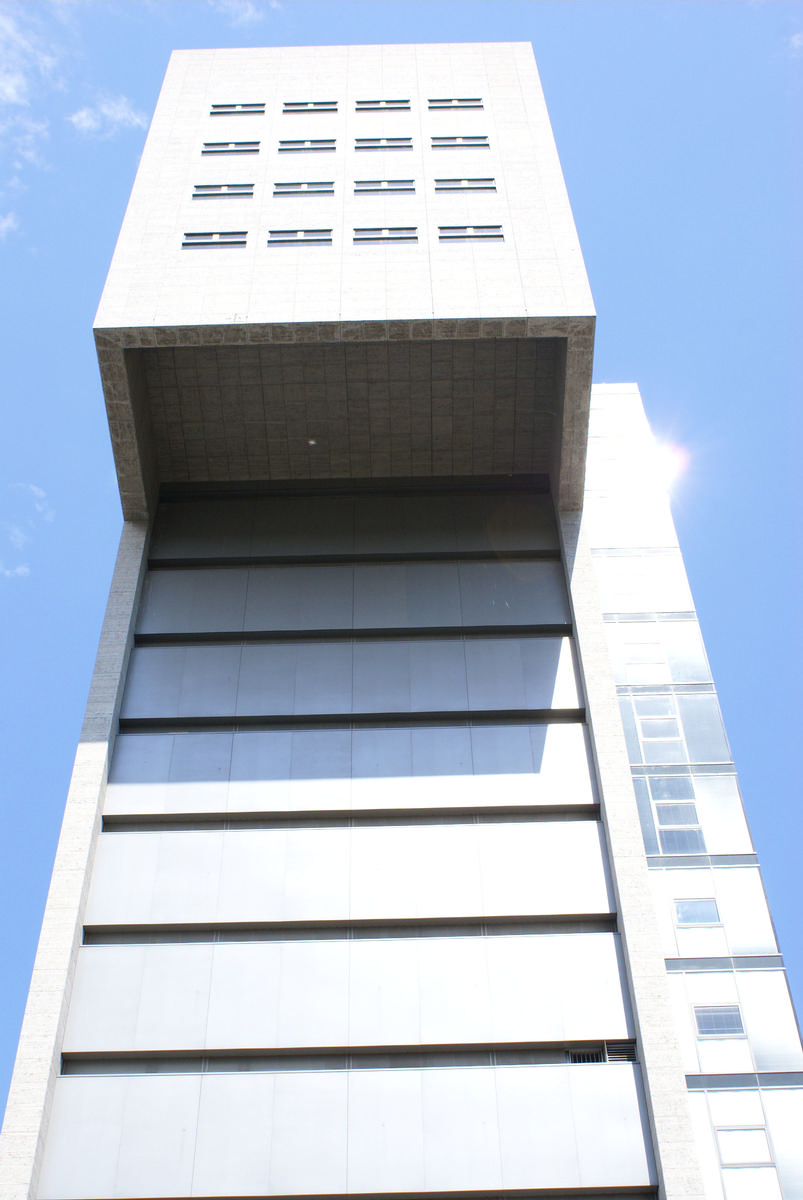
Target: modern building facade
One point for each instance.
(404, 854)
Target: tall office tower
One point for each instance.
(352, 895)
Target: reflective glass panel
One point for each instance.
(696, 912)
(722, 1021)
(676, 814)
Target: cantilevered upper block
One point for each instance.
(347, 262)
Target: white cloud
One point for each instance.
(243, 12)
(108, 117)
(32, 508)
(29, 60)
(17, 536)
(796, 43)
(20, 572)
(39, 499)
(7, 224)
(24, 57)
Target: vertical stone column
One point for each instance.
(37, 1063)
(679, 1173)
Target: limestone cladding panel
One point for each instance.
(536, 271)
(350, 410)
(37, 1064)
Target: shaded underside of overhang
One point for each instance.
(213, 405)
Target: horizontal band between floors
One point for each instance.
(378, 720)
(355, 930)
(737, 1081)
(657, 862)
(379, 558)
(385, 634)
(348, 819)
(737, 962)
(629, 1192)
(509, 486)
(347, 1058)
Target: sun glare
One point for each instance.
(670, 462)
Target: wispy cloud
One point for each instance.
(39, 499)
(29, 66)
(8, 224)
(31, 509)
(18, 572)
(17, 536)
(108, 117)
(25, 57)
(796, 44)
(243, 12)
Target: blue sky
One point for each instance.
(679, 130)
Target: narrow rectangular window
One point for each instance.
(399, 233)
(384, 185)
(461, 143)
(319, 187)
(230, 148)
(237, 110)
(300, 237)
(465, 185)
(719, 1021)
(383, 143)
(203, 190)
(679, 829)
(383, 105)
(696, 912)
(470, 233)
(310, 106)
(455, 102)
(221, 238)
(743, 1147)
(309, 145)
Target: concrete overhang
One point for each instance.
(389, 399)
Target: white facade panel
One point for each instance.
(341, 874)
(366, 992)
(336, 1132)
(334, 769)
(784, 1115)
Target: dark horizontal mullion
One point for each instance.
(367, 929)
(348, 818)
(319, 1058)
(523, 486)
(323, 560)
(393, 633)
(236, 724)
